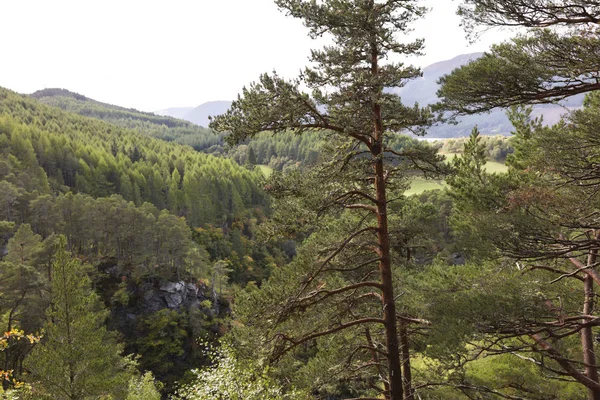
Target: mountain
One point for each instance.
(198, 115)
(423, 91)
(150, 124)
(175, 112)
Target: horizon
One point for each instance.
(153, 57)
(204, 103)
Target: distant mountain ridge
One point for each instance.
(198, 115)
(423, 91)
(159, 126)
(175, 112)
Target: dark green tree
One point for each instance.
(543, 216)
(357, 117)
(78, 358)
(556, 57)
(251, 160)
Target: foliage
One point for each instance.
(156, 126)
(143, 388)
(497, 148)
(11, 387)
(46, 148)
(77, 358)
(346, 270)
(541, 214)
(556, 58)
(233, 379)
(162, 338)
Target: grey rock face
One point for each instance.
(171, 295)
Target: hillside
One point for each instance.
(200, 114)
(98, 158)
(175, 112)
(150, 217)
(423, 91)
(197, 115)
(158, 126)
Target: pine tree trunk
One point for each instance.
(385, 269)
(406, 369)
(383, 237)
(587, 339)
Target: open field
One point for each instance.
(266, 170)
(420, 185)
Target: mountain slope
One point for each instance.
(200, 114)
(86, 155)
(197, 115)
(158, 126)
(423, 91)
(175, 112)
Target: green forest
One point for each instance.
(143, 257)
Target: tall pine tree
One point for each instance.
(357, 117)
(78, 358)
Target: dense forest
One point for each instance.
(161, 225)
(165, 128)
(143, 257)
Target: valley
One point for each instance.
(350, 227)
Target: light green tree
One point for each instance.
(143, 388)
(233, 379)
(78, 358)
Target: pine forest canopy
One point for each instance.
(278, 152)
(161, 127)
(325, 280)
(101, 159)
(543, 212)
(118, 197)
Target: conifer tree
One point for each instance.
(543, 215)
(78, 358)
(357, 117)
(555, 56)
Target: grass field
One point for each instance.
(420, 185)
(266, 170)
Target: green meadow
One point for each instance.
(419, 185)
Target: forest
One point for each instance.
(143, 257)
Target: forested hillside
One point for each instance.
(165, 229)
(101, 159)
(486, 290)
(161, 127)
(278, 152)
(135, 267)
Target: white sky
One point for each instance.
(155, 54)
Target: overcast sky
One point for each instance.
(154, 54)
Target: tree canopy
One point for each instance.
(555, 58)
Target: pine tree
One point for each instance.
(78, 358)
(357, 117)
(555, 57)
(542, 214)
